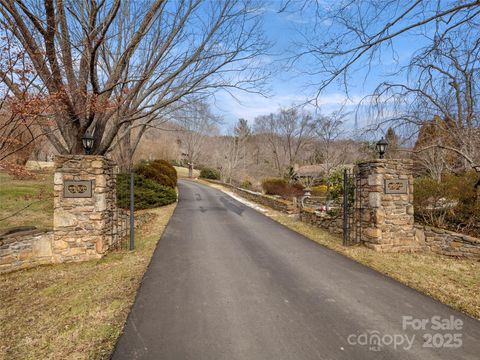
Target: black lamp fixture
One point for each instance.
(87, 142)
(382, 147)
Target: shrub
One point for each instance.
(335, 185)
(280, 186)
(274, 186)
(208, 173)
(451, 203)
(319, 190)
(153, 173)
(158, 170)
(148, 193)
(166, 168)
(246, 183)
(430, 201)
(293, 190)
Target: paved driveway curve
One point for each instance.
(226, 282)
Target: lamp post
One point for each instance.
(87, 142)
(382, 147)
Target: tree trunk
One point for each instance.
(477, 187)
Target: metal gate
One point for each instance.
(352, 210)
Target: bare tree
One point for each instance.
(431, 161)
(347, 35)
(235, 151)
(107, 67)
(441, 85)
(243, 132)
(20, 134)
(196, 123)
(329, 129)
(287, 133)
(440, 79)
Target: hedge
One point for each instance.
(158, 170)
(451, 203)
(166, 168)
(280, 186)
(148, 193)
(208, 173)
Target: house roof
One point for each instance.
(311, 170)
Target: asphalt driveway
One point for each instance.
(227, 282)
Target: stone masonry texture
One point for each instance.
(83, 228)
(386, 219)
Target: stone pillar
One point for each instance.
(386, 205)
(84, 207)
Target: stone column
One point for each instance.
(386, 205)
(84, 207)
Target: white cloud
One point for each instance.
(249, 106)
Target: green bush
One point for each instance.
(334, 184)
(158, 170)
(153, 173)
(451, 203)
(148, 193)
(208, 173)
(166, 168)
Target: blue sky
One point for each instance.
(290, 86)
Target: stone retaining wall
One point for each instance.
(333, 225)
(37, 247)
(25, 249)
(281, 205)
(447, 242)
(439, 241)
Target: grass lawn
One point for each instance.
(75, 310)
(35, 197)
(452, 281)
(182, 172)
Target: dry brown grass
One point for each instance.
(182, 172)
(76, 310)
(452, 281)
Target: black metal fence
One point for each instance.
(352, 211)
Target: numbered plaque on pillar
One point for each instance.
(77, 189)
(398, 186)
